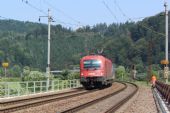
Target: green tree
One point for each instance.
(25, 43)
(120, 72)
(15, 71)
(65, 74)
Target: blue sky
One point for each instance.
(74, 13)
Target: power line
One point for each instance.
(78, 23)
(123, 14)
(40, 10)
(146, 27)
(65, 23)
(151, 29)
(111, 12)
(117, 5)
(68, 16)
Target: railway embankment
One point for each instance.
(146, 100)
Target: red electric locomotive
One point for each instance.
(96, 71)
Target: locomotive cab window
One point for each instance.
(92, 64)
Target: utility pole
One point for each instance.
(150, 46)
(48, 56)
(166, 68)
(48, 50)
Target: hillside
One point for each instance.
(25, 43)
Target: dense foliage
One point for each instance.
(25, 44)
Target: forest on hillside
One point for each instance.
(131, 43)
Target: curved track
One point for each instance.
(73, 101)
(122, 102)
(100, 100)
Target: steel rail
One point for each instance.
(83, 106)
(40, 101)
(122, 102)
(32, 97)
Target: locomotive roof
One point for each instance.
(99, 57)
(94, 56)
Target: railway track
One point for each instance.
(123, 101)
(109, 110)
(72, 101)
(15, 105)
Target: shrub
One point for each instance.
(35, 76)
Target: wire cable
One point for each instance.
(144, 26)
(29, 4)
(123, 14)
(111, 12)
(43, 12)
(58, 10)
(78, 23)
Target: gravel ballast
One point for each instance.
(59, 106)
(104, 105)
(142, 102)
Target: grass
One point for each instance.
(138, 82)
(143, 83)
(10, 79)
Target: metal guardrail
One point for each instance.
(11, 89)
(164, 90)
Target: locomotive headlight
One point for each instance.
(101, 73)
(81, 74)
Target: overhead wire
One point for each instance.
(59, 10)
(78, 23)
(115, 2)
(111, 12)
(40, 10)
(146, 27)
(123, 13)
(65, 23)
(43, 12)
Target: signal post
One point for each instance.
(166, 69)
(5, 66)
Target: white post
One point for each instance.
(48, 55)
(5, 72)
(27, 91)
(48, 50)
(166, 40)
(41, 86)
(34, 87)
(166, 29)
(8, 90)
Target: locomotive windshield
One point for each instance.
(92, 64)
